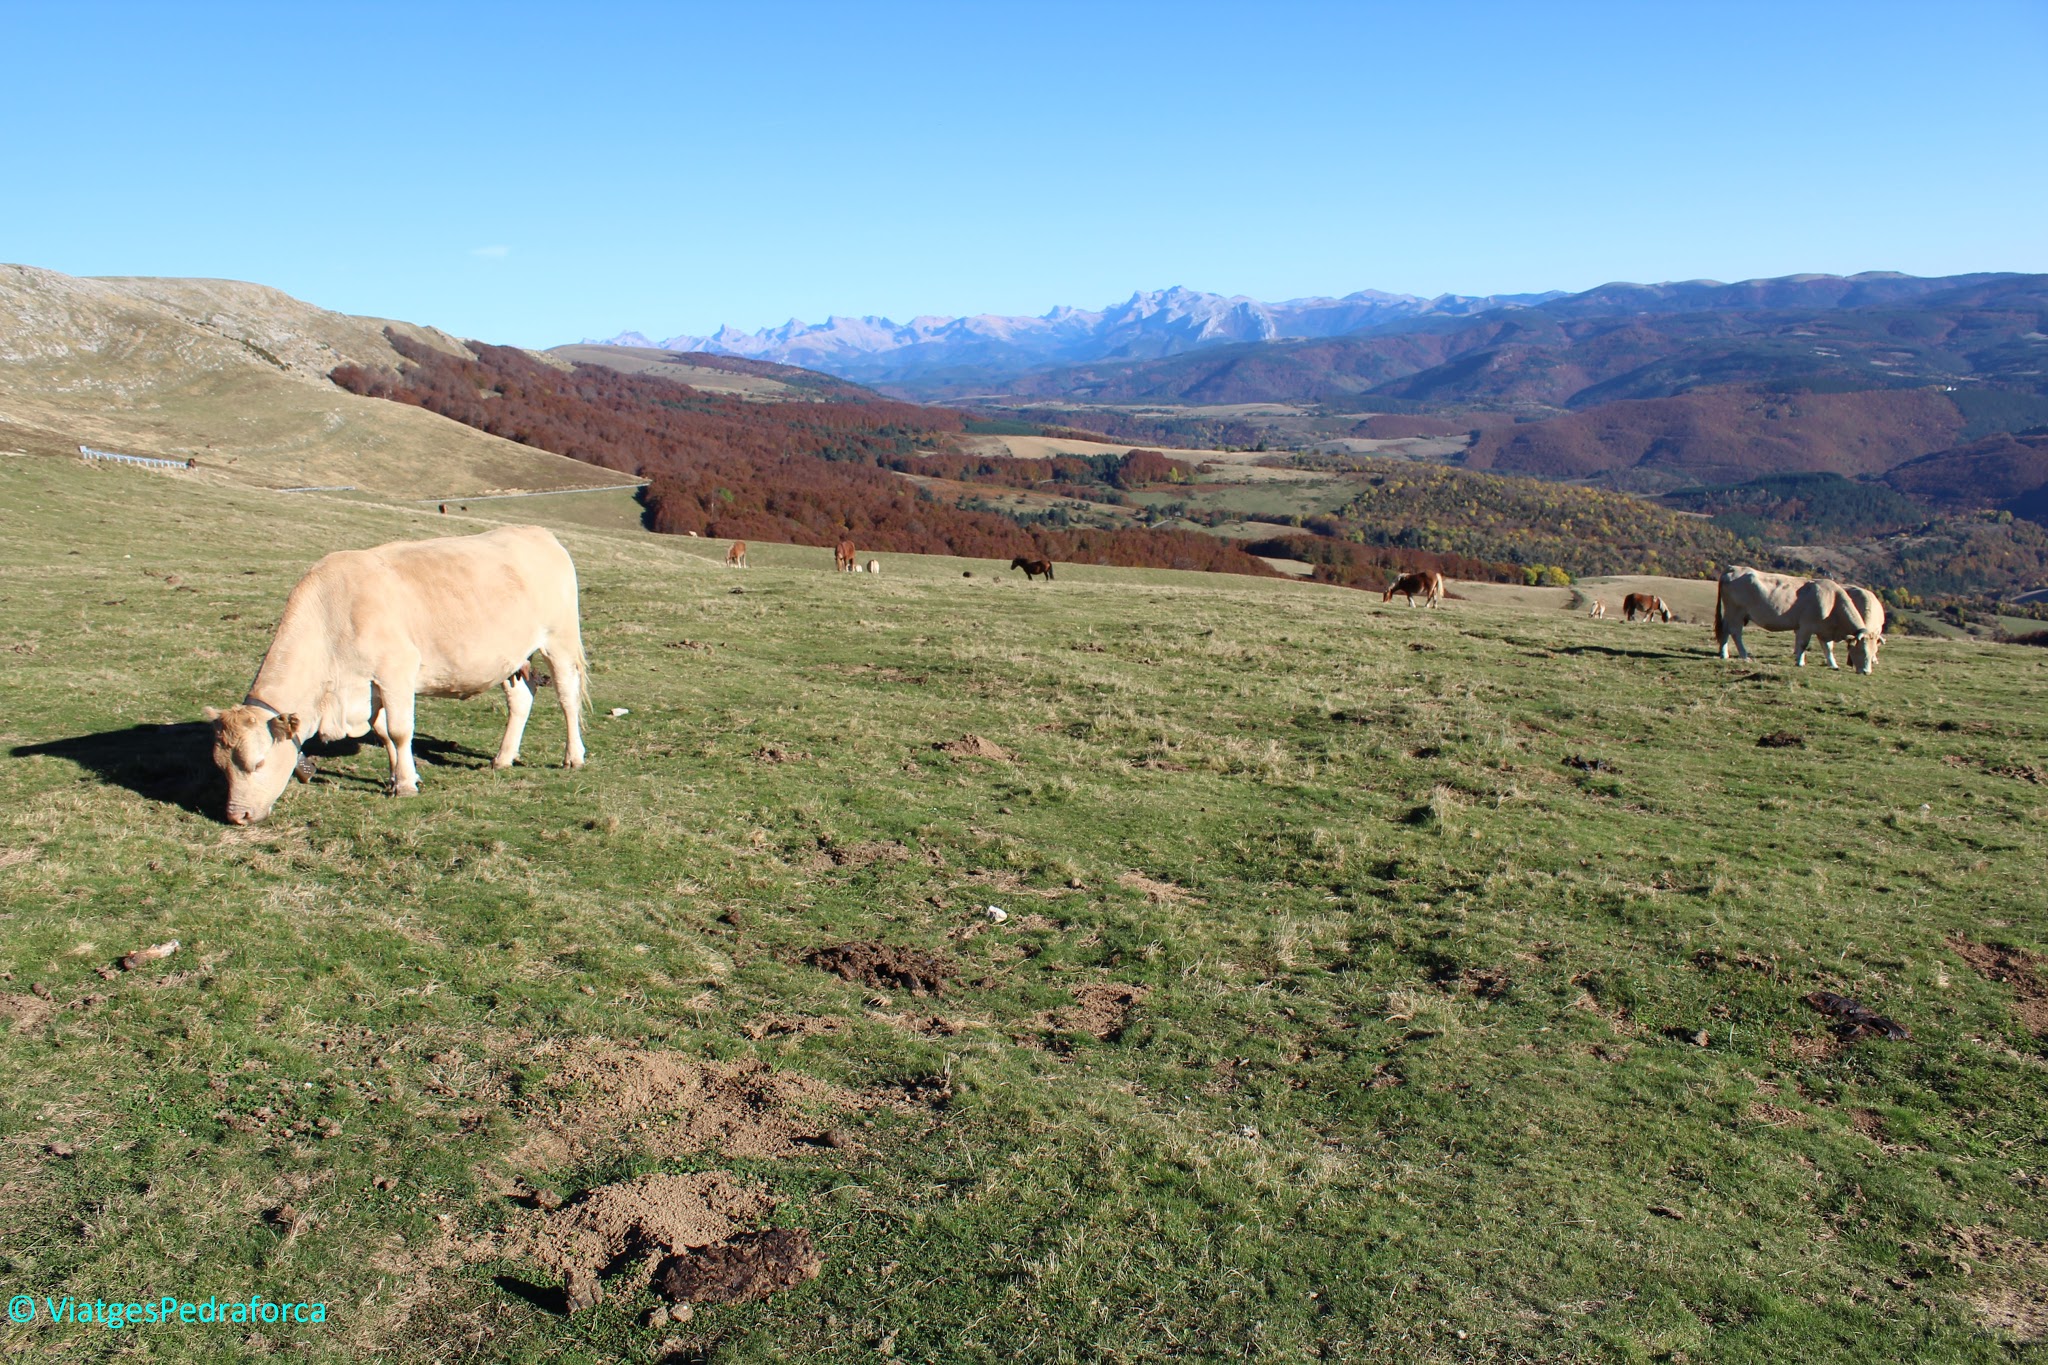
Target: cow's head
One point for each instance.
(258, 752)
(1863, 651)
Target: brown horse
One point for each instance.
(1430, 586)
(1646, 605)
(842, 556)
(1033, 567)
(736, 557)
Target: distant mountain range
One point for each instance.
(1146, 326)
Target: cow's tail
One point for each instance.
(1720, 628)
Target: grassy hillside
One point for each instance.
(1375, 984)
(234, 376)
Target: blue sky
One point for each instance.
(534, 174)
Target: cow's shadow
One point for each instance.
(168, 763)
(1613, 652)
(173, 764)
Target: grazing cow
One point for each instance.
(874, 566)
(1813, 609)
(736, 557)
(842, 556)
(1430, 585)
(367, 631)
(1599, 610)
(1033, 568)
(1645, 605)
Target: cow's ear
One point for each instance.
(284, 727)
(212, 714)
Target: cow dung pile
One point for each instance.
(885, 966)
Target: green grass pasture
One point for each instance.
(1447, 1050)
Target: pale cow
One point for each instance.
(1599, 611)
(874, 566)
(1813, 609)
(367, 631)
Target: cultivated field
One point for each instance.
(1375, 983)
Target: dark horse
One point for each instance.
(1033, 567)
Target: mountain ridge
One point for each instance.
(1148, 325)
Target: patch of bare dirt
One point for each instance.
(607, 1228)
(1776, 1115)
(1807, 1047)
(2015, 968)
(1101, 1010)
(1781, 739)
(791, 1026)
(1158, 892)
(886, 966)
(974, 746)
(665, 1103)
(26, 1011)
(1488, 983)
(742, 1268)
(863, 854)
(775, 753)
(2017, 1315)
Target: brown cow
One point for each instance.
(842, 556)
(1430, 585)
(736, 557)
(1645, 605)
(1033, 567)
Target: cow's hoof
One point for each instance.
(405, 789)
(503, 762)
(575, 762)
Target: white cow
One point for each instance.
(874, 566)
(366, 631)
(1813, 609)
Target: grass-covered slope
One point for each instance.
(235, 376)
(1417, 1041)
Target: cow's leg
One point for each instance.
(567, 661)
(519, 700)
(1800, 640)
(1829, 646)
(398, 716)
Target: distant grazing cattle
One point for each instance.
(736, 557)
(1033, 567)
(1645, 605)
(842, 556)
(444, 509)
(367, 631)
(1430, 585)
(1813, 609)
(874, 566)
(1599, 609)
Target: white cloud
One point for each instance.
(491, 253)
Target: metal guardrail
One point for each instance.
(147, 462)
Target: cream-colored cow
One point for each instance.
(367, 631)
(1813, 609)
